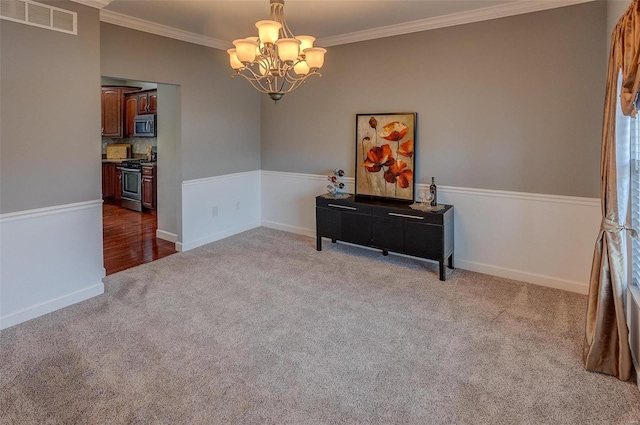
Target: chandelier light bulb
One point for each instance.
(233, 60)
(245, 49)
(268, 31)
(288, 49)
(306, 42)
(301, 68)
(315, 57)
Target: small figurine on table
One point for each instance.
(336, 187)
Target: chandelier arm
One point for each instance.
(265, 81)
(254, 76)
(285, 27)
(284, 81)
(257, 80)
(256, 85)
(277, 14)
(291, 79)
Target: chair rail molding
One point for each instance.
(542, 239)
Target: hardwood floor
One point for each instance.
(129, 238)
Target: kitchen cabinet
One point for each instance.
(138, 103)
(111, 181)
(117, 181)
(388, 226)
(149, 187)
(148, 102)
(131, 110)
(112, 101)
(108, 180)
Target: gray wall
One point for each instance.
(50, 119)
(168, 172)
(508, 104)
(220, 116)
(615, 9)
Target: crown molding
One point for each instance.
(98, 4)
(493, 12)
(163, 30)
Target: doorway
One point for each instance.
(130, 234)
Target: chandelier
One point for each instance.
(276, 62)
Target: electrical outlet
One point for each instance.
(214, 211)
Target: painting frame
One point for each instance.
(385, 155)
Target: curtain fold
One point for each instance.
(606, 345)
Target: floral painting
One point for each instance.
(385, 146)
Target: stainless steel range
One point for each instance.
(131, 184)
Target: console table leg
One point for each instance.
(442, 276)
(318, 243)
(385, 252)
(333, 241)
(451, 261)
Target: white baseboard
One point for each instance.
(548, 281)
(166, 236)
(169, 237)
(51, 258)
(288, 228)
(50, 306)
(542, 239)
(217, 236)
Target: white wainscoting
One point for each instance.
(288, 200)
(218, 207)
(542, 239)
(51, 258)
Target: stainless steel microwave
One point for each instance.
(144, 125)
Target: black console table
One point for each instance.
(387, 225)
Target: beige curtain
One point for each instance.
(606, 347)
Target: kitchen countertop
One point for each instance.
(119, 161)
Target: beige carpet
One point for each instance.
(260, 328)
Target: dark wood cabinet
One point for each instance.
(356, 227)
(388, 226)
(147, 102)
(108, 180)
(388, 232)
(112, 112)
(131, 110)
(149, 187)
(117, 181)
(111, 181)
(138, 103)
(113, 107)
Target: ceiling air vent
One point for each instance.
(39, 15)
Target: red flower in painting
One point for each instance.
(394, 132)
(406, 149)
(377, 157)
(398, 173)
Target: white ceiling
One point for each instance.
(333, 21)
